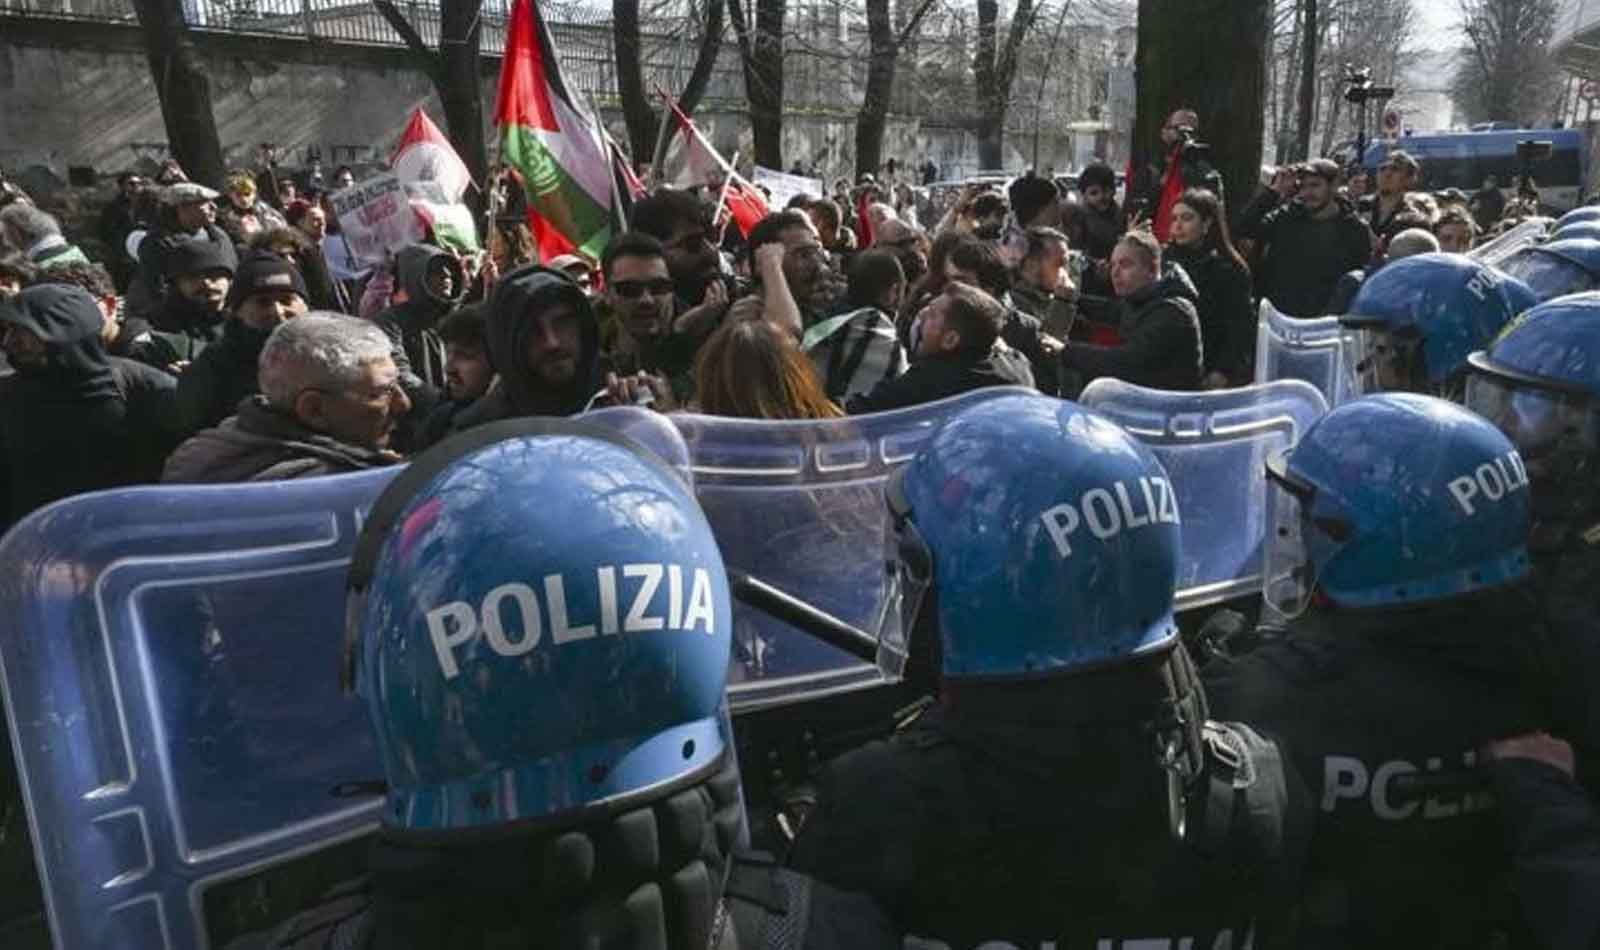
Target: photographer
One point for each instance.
(1188, 165)
(1305, 242)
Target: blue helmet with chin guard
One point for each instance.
(1539, 381)
(543, 621)
(1048, 536)
(1416, 320)
(1392, 500)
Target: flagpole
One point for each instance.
(722, 198)
(606, 145)
(663, 136)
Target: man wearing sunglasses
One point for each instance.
(638, 309)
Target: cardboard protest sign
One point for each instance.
(376, 218)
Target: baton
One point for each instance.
(792, 610)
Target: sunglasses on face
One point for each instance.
(634, 289)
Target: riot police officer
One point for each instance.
(1398, 556)
(1413, 323)
(1068, 789)
(544, 625)
(1540, 383)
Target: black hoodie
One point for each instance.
(411, 324)
(518, 299)
(1161, 341)
(82, 420)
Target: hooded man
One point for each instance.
(544, 344)
(267, 291)
(429, 282)
(73, 419)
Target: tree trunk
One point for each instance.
(183, 89)
(637, 111)
(874, 114)
(1176, 68)
(991, 113)
(1308, 82)
(761, 50)
(461, 91)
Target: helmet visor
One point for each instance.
(1542, 423)
(1383, 361)
(1549, 276)
(1295, 542)
(908, 573)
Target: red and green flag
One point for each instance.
(565, 169)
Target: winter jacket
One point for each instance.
(211, 389)
(518, 299)
(934, 378)
(182, 329)
(263, 444)
(411, 324)
(1303, 257)
(1227, 316)
(83, 421)
(1161, 345)
(1095, 233)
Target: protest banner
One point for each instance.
(784, 186)
(376, 218)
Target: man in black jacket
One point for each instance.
(1160, 328)
(431, 282)
(267, 291)
(73, 419)
(544, 344)
(1308, 243)
(955, 339)
(331, 400)
(191, 317)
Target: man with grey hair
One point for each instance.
(37, 235)
(330, 400)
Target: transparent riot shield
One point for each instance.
(1315, 351)
(170, 662)
(1496, 250)
(799, 505)
(1214, 446)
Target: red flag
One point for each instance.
(425, 154)
(745, 204)
(863, 220)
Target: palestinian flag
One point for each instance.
(565, 168)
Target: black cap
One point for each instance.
(264, 273)
(201, 256)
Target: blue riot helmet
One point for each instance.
(1585, 213)
(1395, 500)
(544, 628)
(1539, 381)
(1414, 322)
(1048, 537)
(1560, 267)
(1577, 229)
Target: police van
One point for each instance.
(1464, 159)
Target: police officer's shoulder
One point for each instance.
(1272, 677)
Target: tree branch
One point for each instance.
(426, 58)
(910, 29)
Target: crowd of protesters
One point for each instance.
(232, 335)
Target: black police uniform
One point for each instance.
(1036, 815)
(1383, 713)
(1566, 571)
(644, 879)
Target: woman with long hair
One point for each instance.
(753, 370)
(1202, 246)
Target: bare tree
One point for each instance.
(456, 75)
(886, 43)
(1308, 80)
(638, 111)
(1506, 72)
(994, 67)
(761, 53)
(183, 88)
